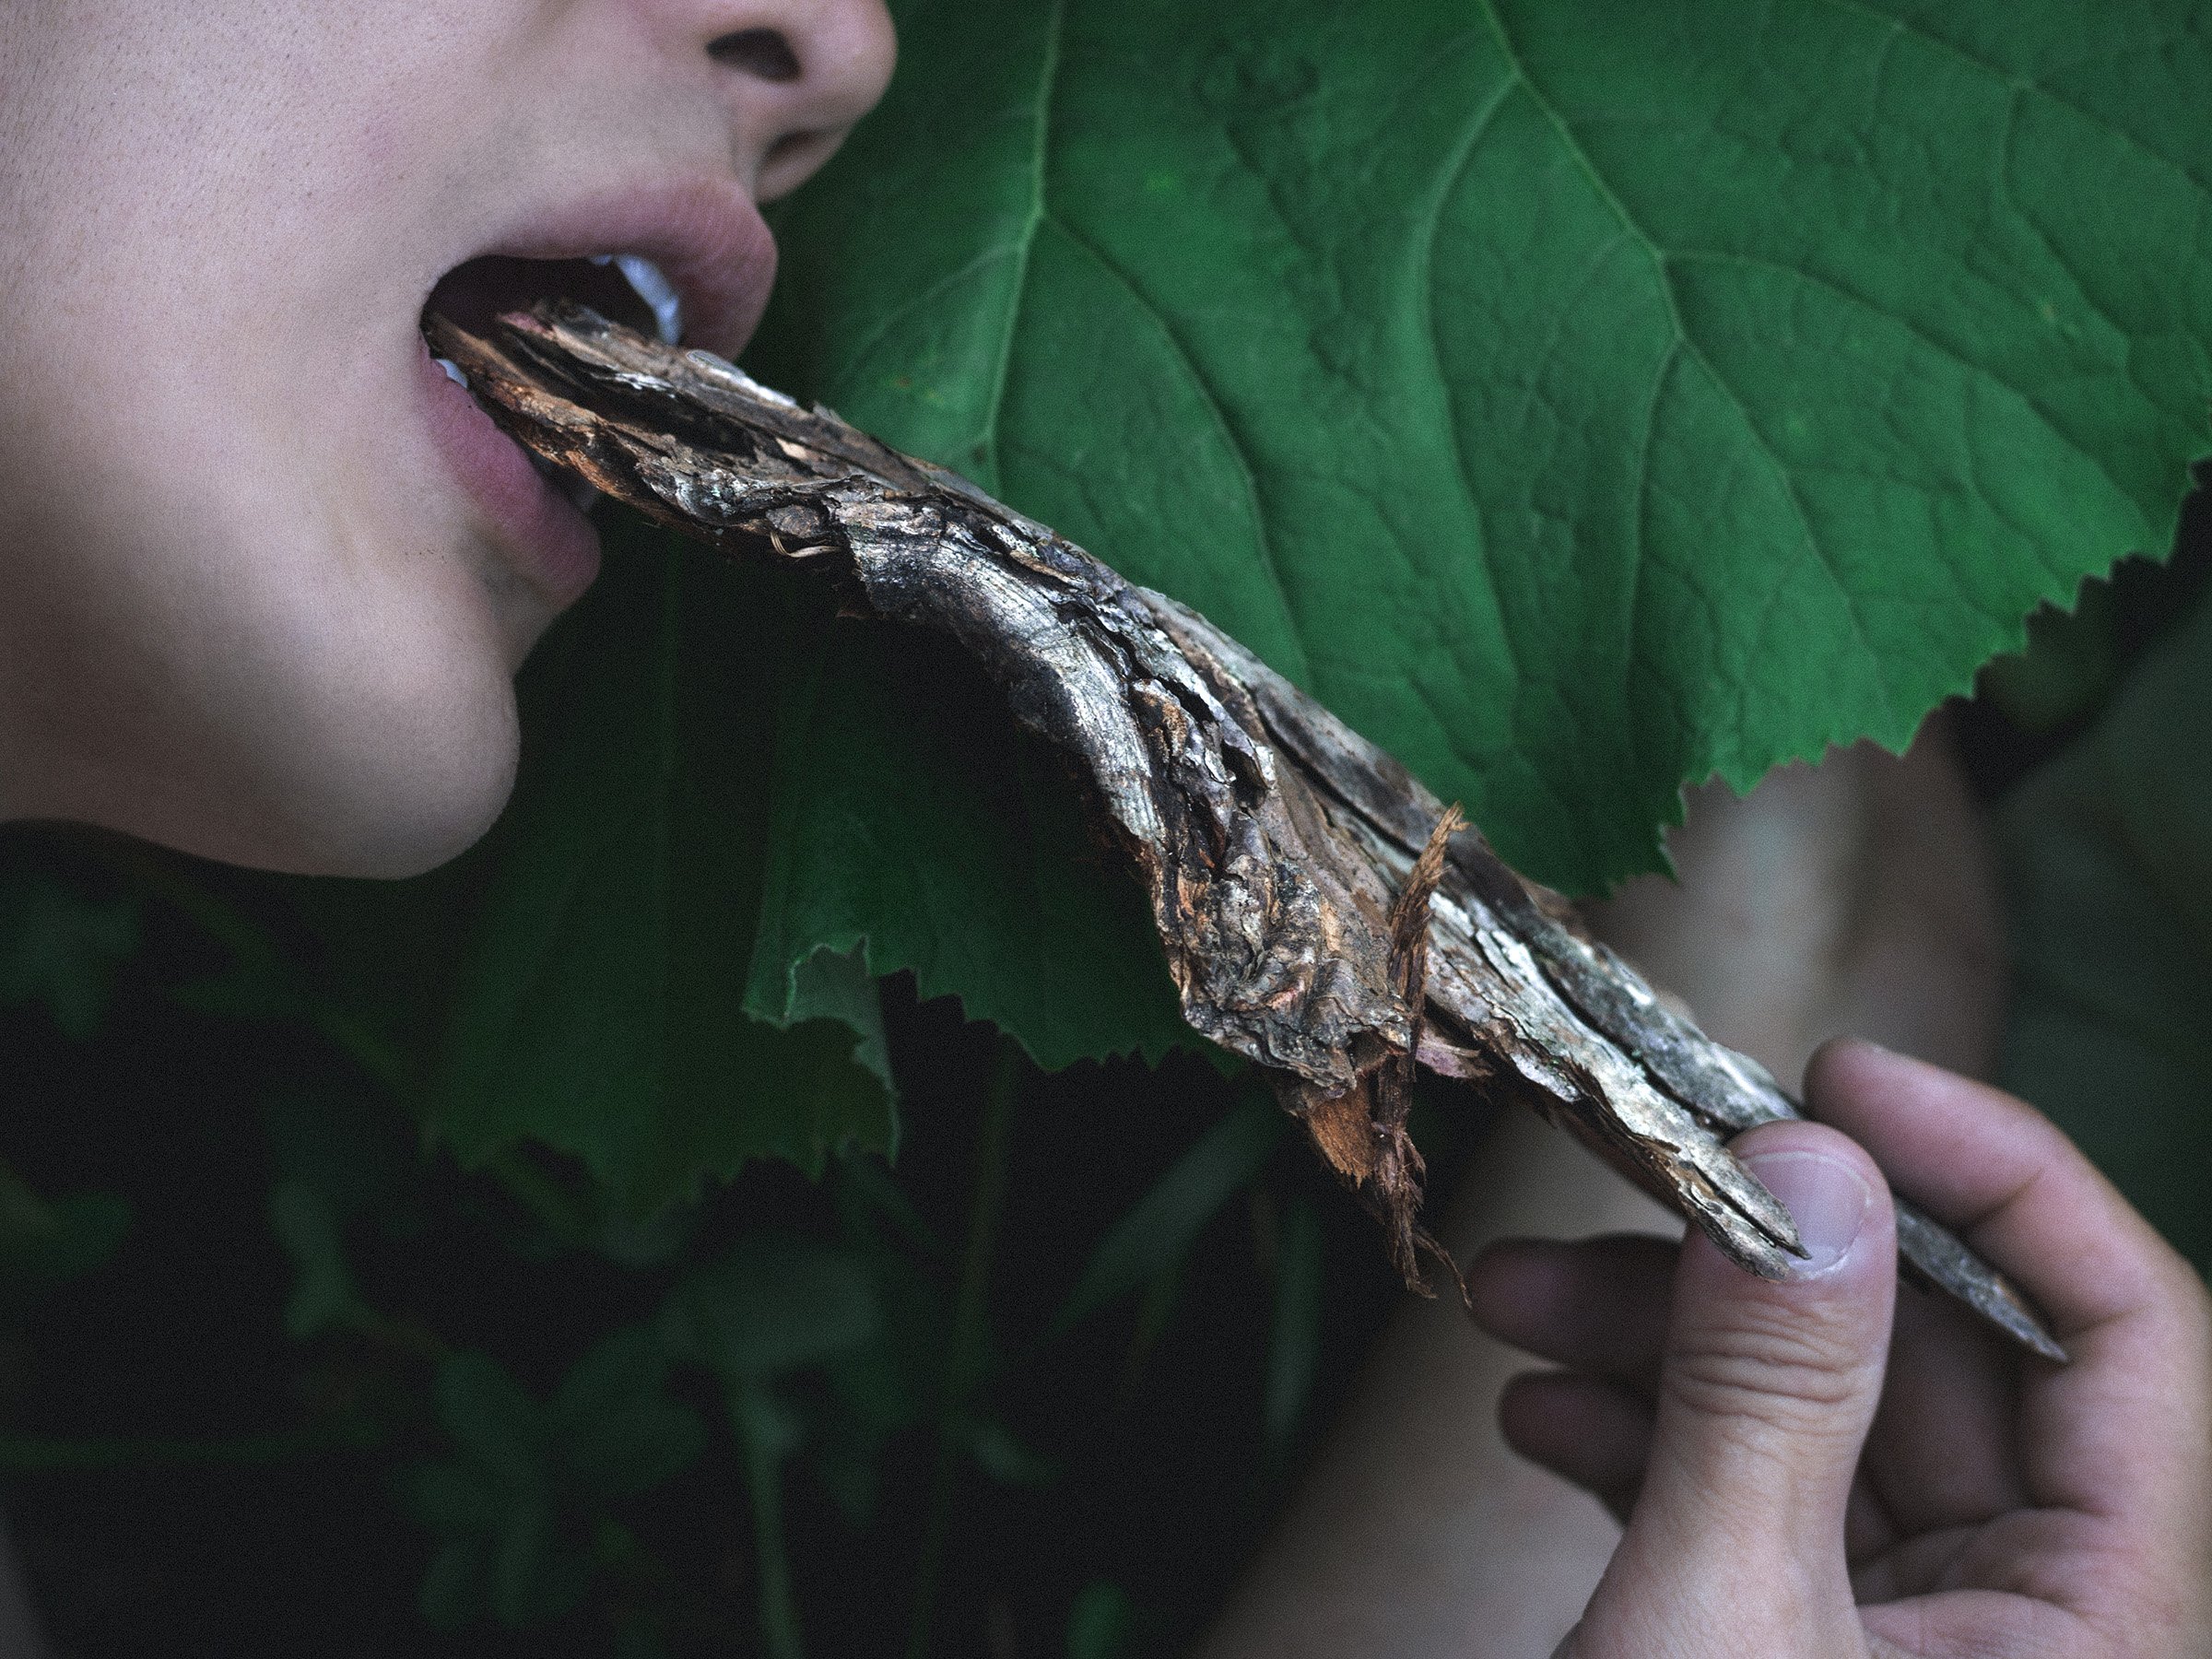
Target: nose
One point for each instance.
(799, 73)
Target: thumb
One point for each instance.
(1767, 1391)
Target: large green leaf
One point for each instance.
(2109, 865)
(914, 827)
(602, 1010)
(1579, 398)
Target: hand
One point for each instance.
(1795, 1481)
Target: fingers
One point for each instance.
(1996, 1169)
(1944, 1451)
(1766, 1392)
(1594, 1433)
(2123, 1434)
(2124, 1429)
(1597, 1306)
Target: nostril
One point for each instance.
(786, 150)
(759, 52)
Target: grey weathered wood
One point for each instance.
(1282, 852)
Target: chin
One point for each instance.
(394, 789)
(409, 796)
(427, 817)
(390, 738)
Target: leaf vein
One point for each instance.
(1973, 370)
(1873, 13)
(1447, 179)
(1214, 406)
(1026, 238)
(907, 307)
(1688, 341)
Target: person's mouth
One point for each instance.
(627, 287)
(691, 265)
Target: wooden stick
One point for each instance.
(1290, 863)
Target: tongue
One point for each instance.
(473, 294)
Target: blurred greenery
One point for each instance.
(600, 1006)
(514, 1261)
(2107, 860)
(478, 1400)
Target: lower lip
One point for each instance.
(551, 545)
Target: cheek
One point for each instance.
(360, 669)
(332, 726)
(259, 651)
(245, 609)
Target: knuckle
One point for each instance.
(1765, 1364)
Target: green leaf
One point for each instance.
(493, 1419)
(999, 1453)
(46, 1242)
(61, 948)
(533, 1578)
(613, 1422)
(1101, 1622)
(2108, 872)
(1579, 399)
(454, 1502)
(773, 1304)
(454, 1587)
(1152, 1237)
(322, 1292)
(915, 828)
(1294, 1334)
(602, 1011)
(507, 1508)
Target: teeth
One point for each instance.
(452, 370)
(652, 287)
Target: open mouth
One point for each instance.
(625, 287)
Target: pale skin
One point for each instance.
(253, 611)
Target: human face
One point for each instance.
(266, 575)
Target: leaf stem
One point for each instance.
(965, 1362)
(762, 1436)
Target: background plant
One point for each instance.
(1579, 399)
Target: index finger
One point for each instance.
(2126, 1429)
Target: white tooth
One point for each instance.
(723, 369)
(656, 291)
(452, 370)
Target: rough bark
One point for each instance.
(1322, 913)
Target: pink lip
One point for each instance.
(706, 235)
(709, 241)
(551, 543)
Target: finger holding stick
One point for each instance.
(1799, 1476)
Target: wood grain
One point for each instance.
(1323, 916)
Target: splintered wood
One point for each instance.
(1323, 915)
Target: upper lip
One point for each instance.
(705, 235)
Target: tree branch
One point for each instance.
(1291, 864)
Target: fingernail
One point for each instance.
(1827, 1197)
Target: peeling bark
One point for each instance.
(1323, 915)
